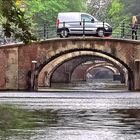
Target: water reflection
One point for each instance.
(131, 119)
(26, 121)
(19, 122)
(97, 84)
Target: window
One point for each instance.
(87, 18)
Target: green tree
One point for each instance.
(37, 12)
(132, 8)
(41, 11)
(99, 8)
(107, 10)
(14, 21)
(75, 5)
(115, 12)
(117, 16)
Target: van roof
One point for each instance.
(78, 13)
(70, 16)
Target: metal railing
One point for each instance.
(122, 30)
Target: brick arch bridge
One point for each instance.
(76, 69)
(98, 67)
(104, 65)
(98, 70)
(117, 71)
(80, 71)
(17, 70)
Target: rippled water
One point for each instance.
(98, 113)
(91, 85)
(72, 116)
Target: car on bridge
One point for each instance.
(78, 23)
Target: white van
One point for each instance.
(78, 23)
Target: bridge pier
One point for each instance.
(33, 80)
(137, 74)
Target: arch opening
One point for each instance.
(46, 71)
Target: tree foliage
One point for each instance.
(14, 21)
(132, 8)
(99, 8)
(75, 5)
(41, 11)
(116, 12)
(111, 11)
(19, 23)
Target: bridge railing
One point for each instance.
(121, 30)
(124, 31)
(46, 31)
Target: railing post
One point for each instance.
(123, 30)
(63, 28)
(103, 28)
(47, 30)
(44, 34)
(83, 27)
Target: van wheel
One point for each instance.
(64, 33)
(100, 32)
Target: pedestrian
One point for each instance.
(134, 27)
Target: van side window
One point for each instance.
(86, 18)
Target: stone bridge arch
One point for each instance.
(45, 71)
(106, 65)
(69, 67)
(16, 69)
(98, 70)
(116, 70)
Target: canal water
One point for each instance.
(70, 115)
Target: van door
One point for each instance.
(90, 25)
(75, 27)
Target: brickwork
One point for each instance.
(16, 60)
